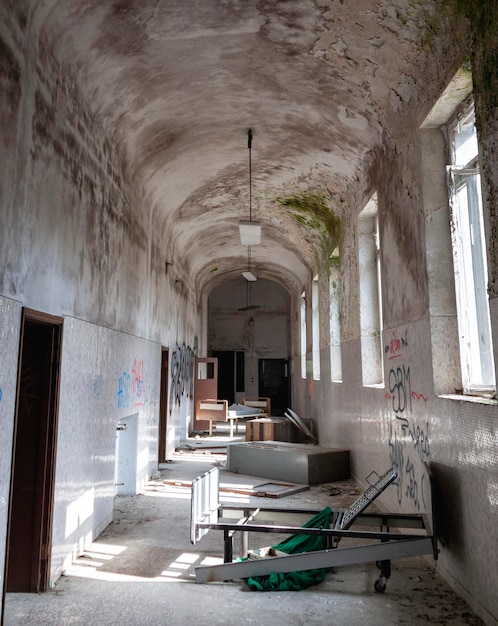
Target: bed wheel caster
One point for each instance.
(380, 584)
(385, 573)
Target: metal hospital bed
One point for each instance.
(381, 536)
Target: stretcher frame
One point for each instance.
(381, 537)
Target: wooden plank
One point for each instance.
(265, 490)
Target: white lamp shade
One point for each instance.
(249, 276)
(250, 232)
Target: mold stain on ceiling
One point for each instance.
(178, 82)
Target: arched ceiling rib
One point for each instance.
(179, 82)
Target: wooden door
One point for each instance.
(205, 385)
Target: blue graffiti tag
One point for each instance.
(124, 391)
(97, 385)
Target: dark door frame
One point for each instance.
(46, 459)
(226, 374)
(163, 406)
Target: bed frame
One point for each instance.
(380, 536)
(213, 410)
(259, 403)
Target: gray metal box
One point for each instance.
(292, 462)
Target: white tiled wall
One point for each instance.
(106, 376)
(406, 423)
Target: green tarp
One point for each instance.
(296, 544)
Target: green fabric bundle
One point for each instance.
(296, 544)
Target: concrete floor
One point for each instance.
(140, 570)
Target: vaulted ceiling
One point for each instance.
(179, 82)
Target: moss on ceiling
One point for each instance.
(311, 211)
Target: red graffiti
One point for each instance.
(419, 396)
(395, 347)
(138, 381)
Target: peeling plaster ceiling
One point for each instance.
(179, 82)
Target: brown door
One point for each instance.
(163, 407)
(205, 385)
(29, 534)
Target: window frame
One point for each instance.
(371, 318)
(469, 258)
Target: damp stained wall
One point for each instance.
(89, 242)
(80, 240)
(415, 418)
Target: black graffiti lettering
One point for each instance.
(412, 487)
(182, 374)
(420, 438)
(396, 454)
(400, 388)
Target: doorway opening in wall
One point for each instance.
(273, 379)
(231, 373)
(163, 407)
(31, 502)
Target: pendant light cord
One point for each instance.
(249, 145)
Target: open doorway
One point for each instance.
(231, 373)
(226, 374)
(29, 531)
(274, 383)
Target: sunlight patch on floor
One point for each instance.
(180, 569)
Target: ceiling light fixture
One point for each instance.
(250, 230)
(249, 275)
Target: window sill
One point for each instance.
(475, 399)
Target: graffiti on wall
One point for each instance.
(1, 394)
(182, 373)
(98, 382)
(132, 386)
(409, 443)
